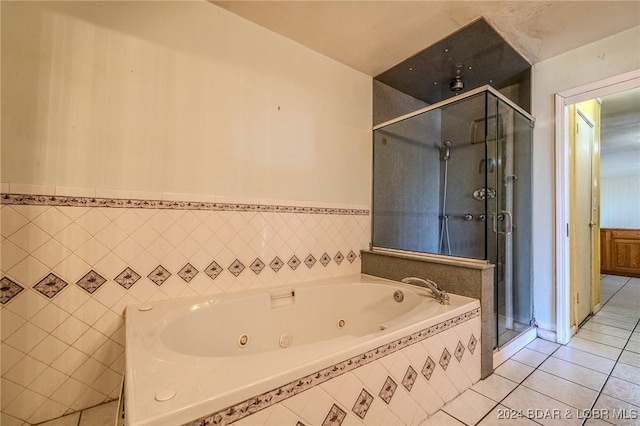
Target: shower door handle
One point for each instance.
(508, 227)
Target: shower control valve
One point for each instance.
(468, 217)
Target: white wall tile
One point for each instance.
(26, 338)
(130, 237)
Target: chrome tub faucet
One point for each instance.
(440, 295)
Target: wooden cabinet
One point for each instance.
(620, 252)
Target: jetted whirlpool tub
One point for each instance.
(217, 360)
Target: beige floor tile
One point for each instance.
(70, 420)
(529, 357)
(540, 408)
(495, 387)
(613, 322)
(605, 339)
(607, 329)
(544, 346)
(505, 416)
(562, 390)
(630, 358)
(101, 415)
(574, 373)
(623, 390)
(615, 314)
(626, 372)
(618, 412)
(469, 407)
(513, 370)
(593, 362)
(594, 348)
(440, 418)
(632, 346)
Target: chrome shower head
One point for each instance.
(457, 84)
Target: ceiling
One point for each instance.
(373, 36)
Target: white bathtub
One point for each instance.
(216, 360)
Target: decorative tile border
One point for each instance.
(52, 200)
(245, 408)
(51, 285)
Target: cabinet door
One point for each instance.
(623, 252)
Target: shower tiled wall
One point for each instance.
(69, 266)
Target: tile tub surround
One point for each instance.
(399, 383)
(70, 265)
(463, 277)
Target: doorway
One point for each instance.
(564, 305)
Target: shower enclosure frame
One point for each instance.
(506, 241)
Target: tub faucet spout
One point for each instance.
(440, 295)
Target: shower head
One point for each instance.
(446, 146)
(457, 84)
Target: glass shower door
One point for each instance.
(509, 217)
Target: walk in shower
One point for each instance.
(454, 179)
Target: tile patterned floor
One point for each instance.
(101, 415)
(594, 380)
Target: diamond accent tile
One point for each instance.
(91, 281)
(213, 270)
(187, 272)
(8, 289)
(409, 378)
(335, 417)
(388, 389)
(310, 261)
(444, 359)
(127, 278)
(472, 344)
(236, 267)
(276, 264)
(159, 275)
(428, 368)
(294, 262)
(459, 351)
(325, 259)
(257, 266)
(50, 285)
(363, 403)
(351, 257)
(339, 257)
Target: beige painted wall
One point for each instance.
(603, 59)
(179, 97)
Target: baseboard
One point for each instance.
(597, 308)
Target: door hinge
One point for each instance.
(567, 229)
(578, 298)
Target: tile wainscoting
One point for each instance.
(398, 384)
(70, 265)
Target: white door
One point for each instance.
(584, 221)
